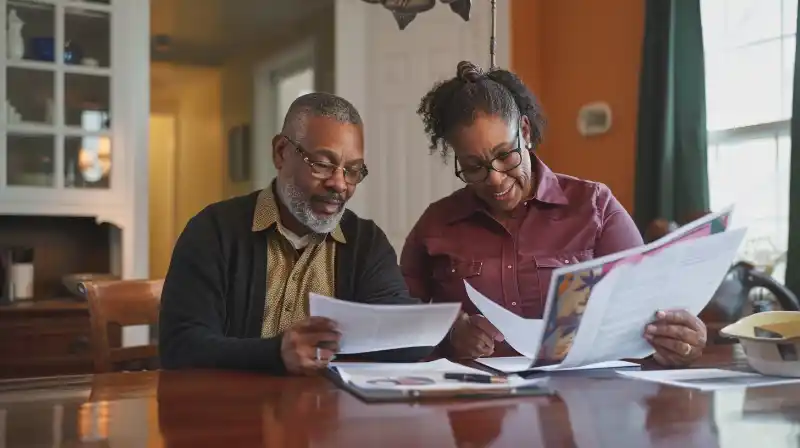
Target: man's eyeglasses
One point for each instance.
(326, 170)
(502, 163)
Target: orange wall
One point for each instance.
(572, 52)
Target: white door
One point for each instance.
(385, 72)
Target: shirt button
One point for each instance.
(509, 266)
(453, 270)
(513, 303)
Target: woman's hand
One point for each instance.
(678, 337)
(473, 337)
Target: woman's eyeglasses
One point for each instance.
(502, 163)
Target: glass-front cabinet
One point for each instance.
(74, 111)
(58, 102)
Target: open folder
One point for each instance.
(373, 382)
(596, 311)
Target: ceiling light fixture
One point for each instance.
(405, 11)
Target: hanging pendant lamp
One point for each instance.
(405, 11)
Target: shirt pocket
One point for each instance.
(547, 263)
(453, 269)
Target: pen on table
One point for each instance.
(475, 378)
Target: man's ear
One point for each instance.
(279, 146)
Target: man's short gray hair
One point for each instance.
(321, 104)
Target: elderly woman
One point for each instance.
(515, 220)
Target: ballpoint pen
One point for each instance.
(475, 378)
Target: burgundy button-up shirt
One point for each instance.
(568, 220)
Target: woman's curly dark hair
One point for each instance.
(456, 102)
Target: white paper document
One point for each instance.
(418, 376)
(523, 335)
(597, 311)
(709, 379)
(517, 364)
(681, 276)
(369, 328)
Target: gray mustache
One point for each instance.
(330, 198)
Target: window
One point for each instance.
(749, 53)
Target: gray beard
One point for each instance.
(300, 207)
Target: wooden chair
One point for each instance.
(122, 303)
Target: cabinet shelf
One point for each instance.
(51, 66)
(47, 129)
(77, 7)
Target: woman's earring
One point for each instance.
(528, 145)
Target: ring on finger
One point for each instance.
(688, 350)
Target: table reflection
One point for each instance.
(618, 412)
(175, 409)
(93, 419)
(490, 419)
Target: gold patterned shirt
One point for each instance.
(292, 273)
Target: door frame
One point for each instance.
(265, 107)
(169, 189)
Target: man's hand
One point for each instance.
(678, 337)
(473, 337)
(301, 342)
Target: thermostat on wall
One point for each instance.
(594, 119)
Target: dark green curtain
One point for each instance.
(793, 256)
(671, 165)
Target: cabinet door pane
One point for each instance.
(87, 37)
(87, 162)
(30, 96)
(29, 160)
(87, 101)
(31, 30)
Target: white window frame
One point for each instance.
(775, 130)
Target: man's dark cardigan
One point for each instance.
(212, 305)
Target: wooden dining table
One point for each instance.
(206, 408)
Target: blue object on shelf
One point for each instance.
(73, 53)
(43, 48)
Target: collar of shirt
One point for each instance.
(266, 215)
(548, 191)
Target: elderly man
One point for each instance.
(236, 294)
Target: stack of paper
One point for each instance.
(709, 379)
(597, 311)
(520, 364)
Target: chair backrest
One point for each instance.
(123, 303)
